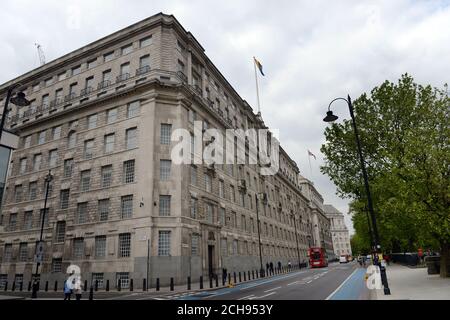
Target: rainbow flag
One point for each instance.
(259, 65)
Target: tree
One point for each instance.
(405, 132)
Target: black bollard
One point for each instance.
(21, 286)
(157, 284)
(29, 285)
(96, 285)
(234, 276)
(13, 288)
(223, 279)
(6, 285)
(210, 281)
(217, 281)
(91, 293)
(119, 285)
(189, 283)
(85, 285)
(249, 275)
(107, 285)
(144, 285)
(171, 284)
(245, 277)
(229, 278)
(131, 284)
(55, 287)
(253, 274)
(201, 282)
(46, 286)
(240, 279)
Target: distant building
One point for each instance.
(339, 231)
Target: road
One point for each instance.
(337, 281)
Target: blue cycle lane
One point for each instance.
(353, 288)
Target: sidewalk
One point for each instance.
(414, 284)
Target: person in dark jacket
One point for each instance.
(271, 267)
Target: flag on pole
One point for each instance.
(311, 154)
(259, 65)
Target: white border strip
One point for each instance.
(328, 298)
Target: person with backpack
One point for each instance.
(67, 290)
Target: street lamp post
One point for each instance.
(296, 238)
(48, 180)
(261, 270)
(19, 100)
(330, 117)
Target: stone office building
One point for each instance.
(101, 120)
(339, 231)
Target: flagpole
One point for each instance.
(257, 87)
(310, 168)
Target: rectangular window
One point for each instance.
(222, 216)
(192, 116)
(166, 131)
(123, 280)
(64, 198)
(98, 278)
(127, 206)
(208, 183)
(164, 243)
(56, 265)
(235, 247)
(144, 61)
(221, 189)
(23, 165)
(76, 70)
(109, 142)
(124, 71)
(194, 244)
(41, 137)
(100, 246)
(48, 82)
(88, 149)
(193, 176)
(92, 63)
(53, 158)
(72, 89)
(45, 100)
(232, 193)
(18, 193)
(164, 205)
(88, 85)
(92, 121)
(42, 216)
(106, 176)
(145, 41)
(68, 168)
(111, 115)
(133, 109)
(61, 76)
(103, 209)
(127, 49)
(72, 140)
(12, 222)
(164, 169)
(56, 132)
(224, 246)
(128, 171)
(60, 231)
(85, 182)
(18, 279)
(194, 208)
(209, 213)
(82, 212)
(28, 220)
(108, 56)
(7, 253)
(124, 245)
(131, 138)
(27, 141)
(78, 248)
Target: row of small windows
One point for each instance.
(133, 110)
(92, 63)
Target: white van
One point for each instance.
(343, 259)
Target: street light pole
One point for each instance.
(330, 118)
(48, 179)
(18, 100)
(296, 238)
(261, 270)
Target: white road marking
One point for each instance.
(309, 281)
(262, 296)
(246, 297)
(295, 282)
(272, 289)
(328, 298)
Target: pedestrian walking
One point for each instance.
(67, 290)
(78, 291)
(224, 274)
(289, 265)
(279, 265)
(271, 267)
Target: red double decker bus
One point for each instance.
(317, 257)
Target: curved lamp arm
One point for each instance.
(336, 100)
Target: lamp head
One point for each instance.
(20, 100)
(330, 117)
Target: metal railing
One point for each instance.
(142, 70)
(123, 77)
(104, 84)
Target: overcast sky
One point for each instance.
(311, 51)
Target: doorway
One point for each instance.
(210, 260)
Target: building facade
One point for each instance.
(339, 231)
(100, 121)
